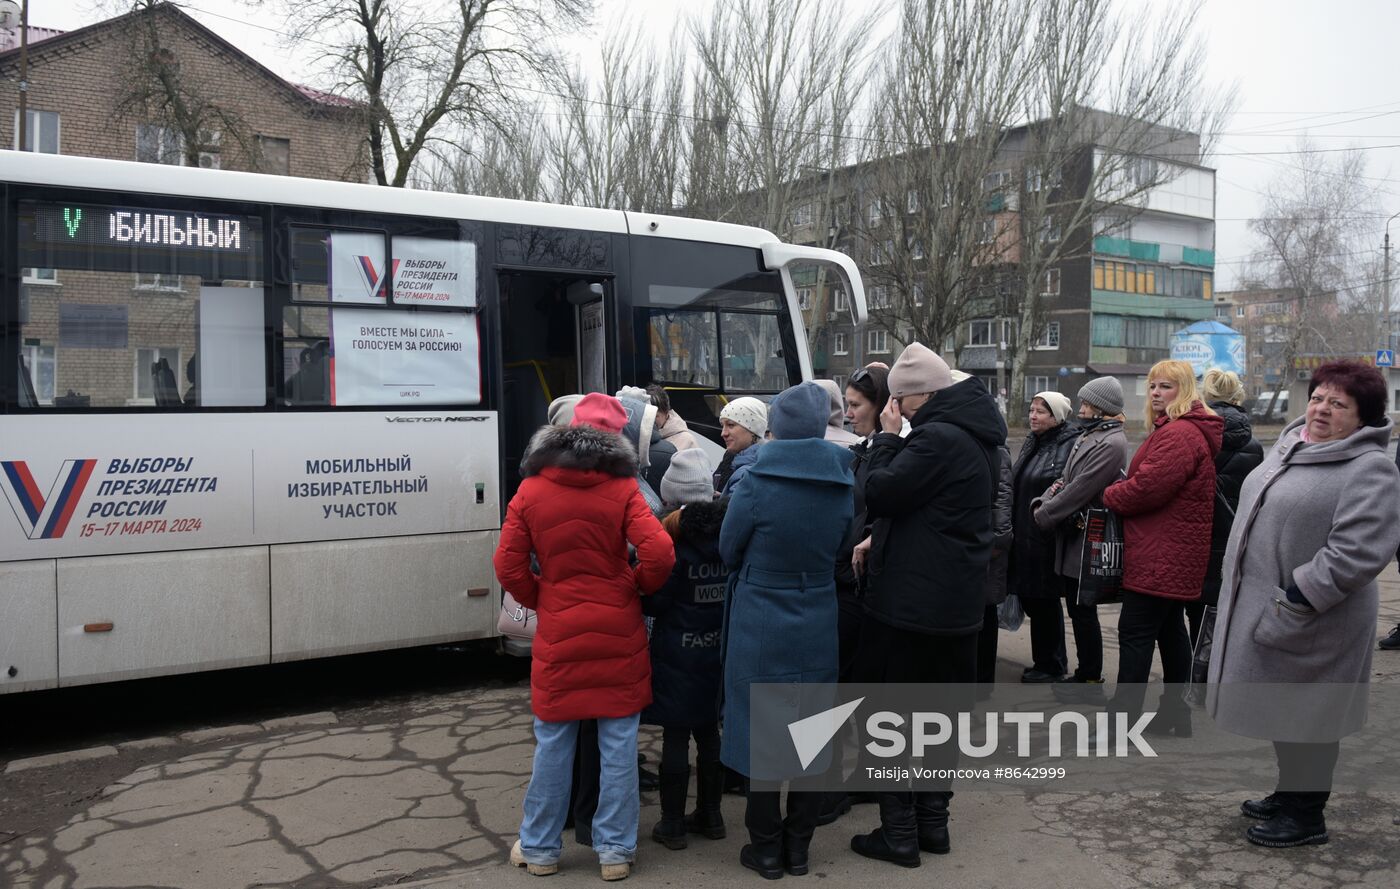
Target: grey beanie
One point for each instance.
(689, 479)
(838, 403)
(561, 410)
(799, 412)
(1104, 393)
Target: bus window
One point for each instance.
(143, 307)
(363, 330)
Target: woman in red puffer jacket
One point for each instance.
(1168, 504)
(577, 510)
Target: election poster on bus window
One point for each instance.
(399, 358)
(357, 270)
(423, 272)
(434, 272)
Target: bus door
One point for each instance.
(555, 338)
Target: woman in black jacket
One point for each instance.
(1240, 453)
(1041, 461)
(688, 613)
(931, 495)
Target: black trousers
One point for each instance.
(850, 614)
(1147, 623)
(987, 647)
(770, 831)
(890, 654)
(1048, 652)
(675, 746)
(588, 769)
(1305, 778)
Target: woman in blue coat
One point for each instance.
(781, 533)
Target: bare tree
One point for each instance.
(923, 211)
(182, 119)
(429, 73)
(1118, 106)
(1312, 226)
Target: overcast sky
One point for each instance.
(1322, 67)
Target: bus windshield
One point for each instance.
(713, 318)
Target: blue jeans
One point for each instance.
(547, 799)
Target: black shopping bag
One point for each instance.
(1101, 561)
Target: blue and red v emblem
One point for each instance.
(45, 518)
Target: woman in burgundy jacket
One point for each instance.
(1168, 504)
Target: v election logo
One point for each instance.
(374, 281)
(41, 517)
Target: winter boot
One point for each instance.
(707, 820)
(897, 838)
(763, 818)
(798, 827)
(670, 830)
(931, 812)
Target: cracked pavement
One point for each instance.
(426, 790)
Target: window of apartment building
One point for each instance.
(911, 201)
(840, 381)
(947, 194)
(150, 371)
(916, 247)
(39, 276)
(159, 145)
(1040, 384)
(1049, 337)
(802, 214)
(39, 360)
(146, 281)
(877, 211)
(878, 256)
(1271, 309)
(1049, 231)
(804, 298)
(918, 294)
(41, 131)
(838, 344)
(1239, 311)
(980, 333)
(1222, 312)
(1050, 284)
(987, 232)
(880, 297)
(994, 181)
(840, 212)
(275, 155)
(878, 342)
(839, 301)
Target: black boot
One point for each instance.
(897, 838)
(931, 812)
(1284, 829)
(1263, 809)
(707, 819)
(1173, 718)
(763, 818)
(670, 830)
(798, 827)
(834, 804)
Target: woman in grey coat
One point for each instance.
(1317, 522)
(1096, 462)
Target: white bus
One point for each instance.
(250, 419)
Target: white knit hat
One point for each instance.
(1057, 402)
(748, 412)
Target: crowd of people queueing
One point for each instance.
(666, 587)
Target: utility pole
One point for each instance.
(1386, 324)
(24, 76)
